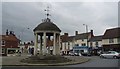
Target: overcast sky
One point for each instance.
(68, 16)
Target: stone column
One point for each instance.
(54, 44)
(41, 44)
(48, 46)
(59, 45)
(36, 44)
(44, 43)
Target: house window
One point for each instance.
(118, 40)
(76, 44)
(65, 45)
(82, 39)
(111, 41)
(91, 43)
(68, 43)
(96, 43)
(83, 44)
(3, 43)
(3, 51)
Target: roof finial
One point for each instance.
(47, 12)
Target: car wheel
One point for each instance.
(115, 57)
(101, 57)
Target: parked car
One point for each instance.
(86, 54)
(77, 54)
(71, 54)
(74, 54)
(110, 54)
(99, 52)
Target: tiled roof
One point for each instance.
(112, 33)
(77, 37)
(9, 37)
(82, 36)
(64, 38)
(67, 38)
(96, 38)
(70, 38)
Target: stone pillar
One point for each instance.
(41, 44)
(44, 43)
(36, 44)
(54, 44)
(48, 46)
(59, 45)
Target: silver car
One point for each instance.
(110, 54)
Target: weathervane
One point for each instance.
(47, 12)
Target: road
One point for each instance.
(95, 63)
(98, 62)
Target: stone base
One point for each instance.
(45, 59)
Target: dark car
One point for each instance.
(86, 54)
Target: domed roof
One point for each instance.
(47, 25)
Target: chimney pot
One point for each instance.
(76, 32)
(66, 34)
(91, 32)
(7, 32)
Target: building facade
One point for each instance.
(111, 39)
(68, 42)
(9, 44)
(26, 47)
(96, 44)
(82, 39)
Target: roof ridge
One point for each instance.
(113, 28)
(84, 33)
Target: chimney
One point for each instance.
(10, 33)
(66, 34)
(76, 32)
(7, 32)
(91, 32)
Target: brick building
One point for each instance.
(9, 43)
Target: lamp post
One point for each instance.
(86, 26)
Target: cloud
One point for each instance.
(68, 16)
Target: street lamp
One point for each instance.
(86, 26)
